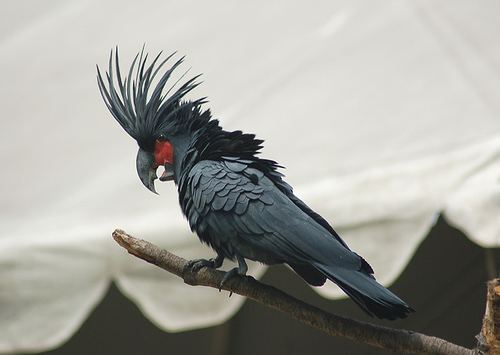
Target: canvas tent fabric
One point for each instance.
(385, 114)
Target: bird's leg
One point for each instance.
(240, 270)
(196, 264)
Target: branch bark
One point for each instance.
(489, 338)
(397, 340)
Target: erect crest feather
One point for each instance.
(142, 114)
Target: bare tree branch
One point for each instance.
(398, 340)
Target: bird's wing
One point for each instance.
(232, 196)
(277, 179)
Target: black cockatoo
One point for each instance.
(235, 201)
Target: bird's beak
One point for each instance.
(146, 169)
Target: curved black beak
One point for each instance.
(146, 169)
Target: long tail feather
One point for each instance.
(372, 297)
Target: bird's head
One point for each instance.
(154, 118)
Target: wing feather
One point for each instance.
(261, 217)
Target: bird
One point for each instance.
(235, 201)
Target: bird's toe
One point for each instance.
(197, 264)
(228, 275)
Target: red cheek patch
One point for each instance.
(164, 152)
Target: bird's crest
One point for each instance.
(144, 114)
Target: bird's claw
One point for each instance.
(197, 264)
(230, 274)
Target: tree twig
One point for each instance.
(398, 340)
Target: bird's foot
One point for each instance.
(240, 270)
(230, 274)
(197, 264)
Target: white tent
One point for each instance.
(385, 113)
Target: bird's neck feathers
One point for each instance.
(200, 137)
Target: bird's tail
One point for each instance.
(372, 297)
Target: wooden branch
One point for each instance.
(489, 339)
(398, 340)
